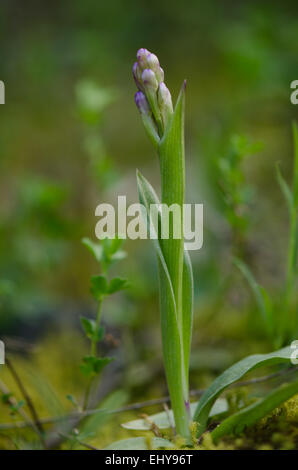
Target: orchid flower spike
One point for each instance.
(153, 99)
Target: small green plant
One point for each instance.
(105, 253)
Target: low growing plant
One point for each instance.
(105, 253)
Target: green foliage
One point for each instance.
(117, 284)
(99, 287)
(176, 333)
(92, 330)
(107, 252)
(211, 406)
(92, 365)
(231, 375)
(247, 417)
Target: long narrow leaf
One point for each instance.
(171, 334)
(147, 197)
(236, 423)
(172, 168)
(233, 374)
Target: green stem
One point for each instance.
(172, 168)
(97, 322)
(92, 353)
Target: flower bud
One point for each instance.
(142, 55)
(152, 61)
(165, 102)
(142, 103)
(159, 73)
(145, 111)
(149, 80)
(153, 64)
(164, 97)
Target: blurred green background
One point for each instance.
(71, 138)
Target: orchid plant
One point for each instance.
(164, 124)
(165, 127)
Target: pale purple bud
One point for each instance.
(164, 97)
(148, 75)
(160, 75)
(149, 80)
(165, 103)
(152, 61)
(142, 103)
(148, 121)
(142, 55)
(153, 64)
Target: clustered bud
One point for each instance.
(153, 99)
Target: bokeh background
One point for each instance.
(71, 138)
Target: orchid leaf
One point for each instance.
(233, 374)
(248, 416)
